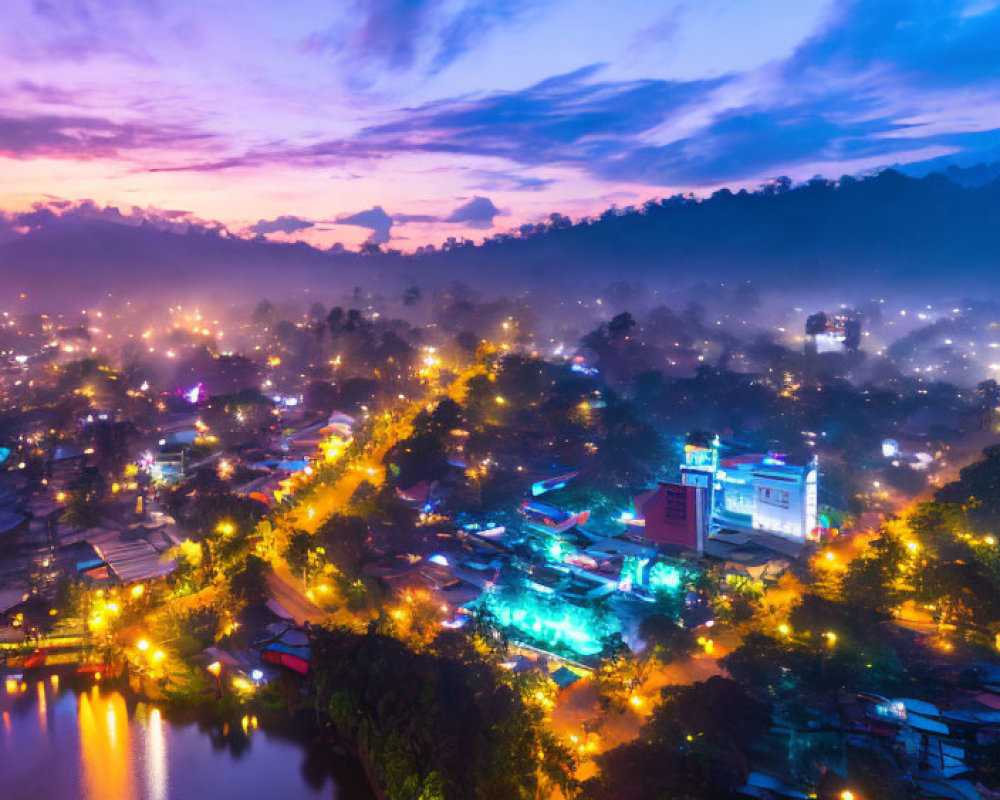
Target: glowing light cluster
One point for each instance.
(658, 576)
(551, 621)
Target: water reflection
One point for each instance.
(66, 742)
(105, 750)
(156, 757)
(43, 708)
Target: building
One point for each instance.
(674, 515)
(833, 333)
(750, 492)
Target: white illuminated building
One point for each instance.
(756, 492)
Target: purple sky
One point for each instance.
(409, 121)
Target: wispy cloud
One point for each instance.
(283, 224)
(85, 137)
(398, 35)
(566, 119)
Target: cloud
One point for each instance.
(375, 219)
(567, 119)
(495, 180)
(663, 30)
(79, 30)
(470, 25)
(925, 44)
(59, 215)
(334, 151)
(403, 219)
(400, 35)
(477, 213)
(83, 136)
(387, 32)
(876, 82)
(868, 85)
(746, 143)
(283, 224)
(46, 93)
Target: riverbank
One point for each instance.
(54, 716)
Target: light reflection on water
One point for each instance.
(57, 743)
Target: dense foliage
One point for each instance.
(435, 725)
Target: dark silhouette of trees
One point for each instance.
(249, 584)
(432, 726)
(412, 296)
(694, 746)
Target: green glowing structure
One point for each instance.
(550, 621)
(658, 576)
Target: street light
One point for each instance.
(216, 669)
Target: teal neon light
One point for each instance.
(551, 622)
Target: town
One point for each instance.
(767, 568)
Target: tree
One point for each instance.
(693, 746)
(431, 726)
(665, 639)
(297, 551)
(621, 325)
(249, 584)
(988, 394)
(869, 582)
(335, 320)
(816, 323)
(966, 594)
(83, 509)
(343, 537)
(978, 489)
(263, 314)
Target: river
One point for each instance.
(88, 743)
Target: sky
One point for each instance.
(410, 121)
